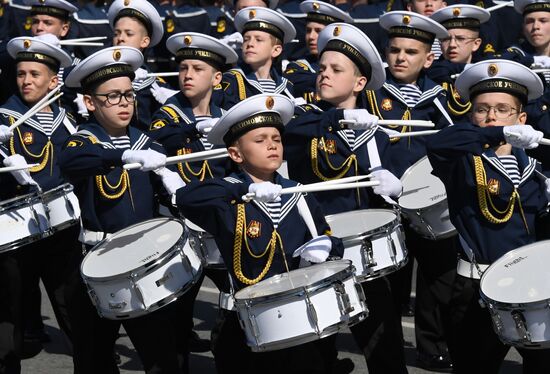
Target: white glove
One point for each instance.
(316, 250)
(299, 101)
(389, 184)
(5, 133)
(206, 125)
(148, 158)
(170, 179)
(49, 38)
(363, 119)
(79, 101)
(522, 136)
(161, 94)
(542, 61)
(141, 75)
(234, 40)
(266, 191)
(23, 176)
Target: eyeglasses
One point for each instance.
(502, 111)
(459, 39)
(114, 98)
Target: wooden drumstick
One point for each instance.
(196, 156)
(36, 108)
(164, 74)
(413, 134)
(394, 122)
(7, 169)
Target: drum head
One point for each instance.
(192, 226)
(132, 248)
(421, 189)
(351, 224)
(520, 276)
(292, 280)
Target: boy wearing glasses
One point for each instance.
(495, 205)
(112, 199)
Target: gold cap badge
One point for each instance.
(269, 102)
(456, 12)
(406, 20)
(27, 43)
(251, 14)
(117, 54)
(315, 6)
(336, 31)
(492, 70)
(41, 1)
(187, 40)
(126, 2)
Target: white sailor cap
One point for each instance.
(461, 16)
(403, 24)
(264, 110)
(55, 8)
(41, 49)
(325, 13)
(144, 11)
(352, 42)
(267, 20)
(193, 45)
(499, 76)
(105, 64)
(529, 6)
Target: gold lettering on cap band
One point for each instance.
(251, 123)
(264, 26)
(411, 32)
(536, 7)
(461, 23)
(107, 72)
(499, 85)
(321, 18)
(200, 54)
(38, 57)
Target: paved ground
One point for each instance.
(54, 359)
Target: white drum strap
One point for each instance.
(443, 111)
(470, 253)
(304, 211)
(69, 126)
(375, 164)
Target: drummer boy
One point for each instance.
(257, 238)
(495, 205)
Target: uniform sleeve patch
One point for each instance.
(74, 143)
(158, 124)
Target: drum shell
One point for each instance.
(63, 207)
(301, 315)
(204, 244)
(432, 222)
(23, 220)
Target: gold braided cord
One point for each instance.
(240, 84)
(346, 165)
(201, 175)
(240, 231)
(462, 108)
(122, 184)
(484, 196)
(45, 154)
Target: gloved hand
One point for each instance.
(541, 61)
(23, 176)
(141, 75)
(49, 38)
(299, 101)
(206, 125)
(266, 191)
(170, 179)
(234, 40)
(522, 136)
(5, 133)
(363, 119)
(389, 184)
(79, 101)
(148, 158)
(316, 250)
(161, 94)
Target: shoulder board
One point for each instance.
(171, 112)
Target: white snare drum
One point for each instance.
(23, 220)
(204, 244)
(140, 269)
(373, 241)
(300, 306)
(424, 202)
(63, 208)
(516, 290)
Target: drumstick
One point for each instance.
(341, 180)
(7, 169)
(164, 74)
(394, 122)
(498, 6)
(413, 134)
(84, 44)
(89, 39)
(35, 109)
(197, 156)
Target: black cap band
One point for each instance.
(412, 33)
(130, 12)
(51, 62)
(106, 73)
(264, 26)
(461, 23)
(536, 7)
(214, 59)
(266, 119)
(50, 11)
(325, 19)
(352, 53)
(500, 85)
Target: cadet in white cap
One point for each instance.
(241, 4)
(51, 16)
(92, 159)
(496, 205)
(264, 32)
(302, 72)
(252, 131)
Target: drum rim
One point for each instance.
(384, 271)
(367, 234)
(25, 200)
(145, 268)
(343, 274)
(408, 172)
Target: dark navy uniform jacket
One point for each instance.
(146, 103)
(173, 126)
(90, 20)
(214, 205)
(220, 22)
(91, 162)
(238, 84)
(291, 10)
(388, 103)
(30, 141)
(451, 153)
(363, 14)
(303, 75)
(316, 151)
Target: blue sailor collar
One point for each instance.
(138, 140)
(311, 61)
(429, 88)
(526, 164)
(16, 108)
(280, 81)
(183, 107)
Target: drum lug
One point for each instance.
(343, 299)
(361, 296)
(430, 230)
(120, 305)
(186, 263)
(497, 321)
(36, 218)
(69, 203)
(138, 291)
(367, 253)
(521, 328)
(254, 325)
(312, 313)
(391, 246)
(197, 245)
